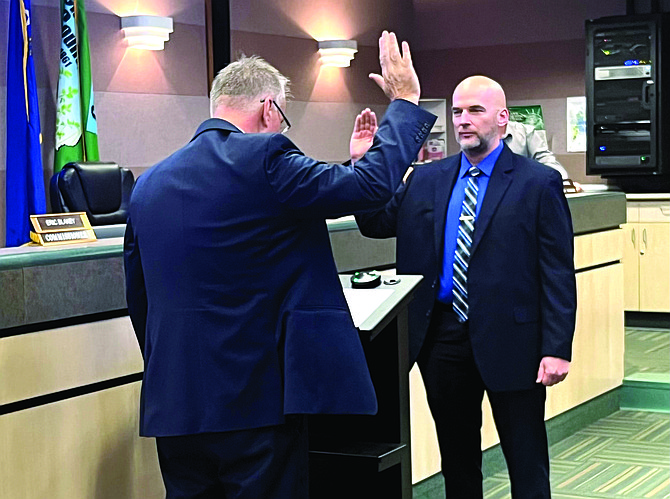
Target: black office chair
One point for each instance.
(102, 190)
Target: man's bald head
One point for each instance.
(480, 116)
(485, 87)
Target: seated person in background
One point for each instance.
(525, 140)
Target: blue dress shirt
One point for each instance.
(445, 293)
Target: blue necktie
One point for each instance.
(466, 229)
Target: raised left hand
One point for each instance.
(365, 128)
(552, 370)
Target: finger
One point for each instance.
(365, 120)
(550, 378)
(383, 50)
(370, 119)
(393, 49)
(381, 41)
(540, 375)
(360, 122)
(406, 54)
(378, 80)
(373, 121)
(557, 378)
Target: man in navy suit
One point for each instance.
(492, 234)
(233, 291)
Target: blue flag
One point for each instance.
(25, 177)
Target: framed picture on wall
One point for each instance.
(576, 121)
(529, 115)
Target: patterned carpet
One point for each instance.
(626, 455)
(623, 456)
(647, 350)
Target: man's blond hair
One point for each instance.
(242, 84)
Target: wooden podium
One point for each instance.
(369, 456)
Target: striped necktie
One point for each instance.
(466, 229)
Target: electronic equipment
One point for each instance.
(364, 280)
(628, 119)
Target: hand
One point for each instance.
(552, 370)
(398, 79)
(365, 128)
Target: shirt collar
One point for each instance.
(216, 123)
(486, 165)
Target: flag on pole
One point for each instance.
(76, 126)
(24, 174)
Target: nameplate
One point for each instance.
(61, 228)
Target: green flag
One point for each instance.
(76, 126)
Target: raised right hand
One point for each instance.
(365, 128)
(398, 79)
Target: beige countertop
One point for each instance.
(663, 196)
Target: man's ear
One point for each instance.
(503, 117)
(266, 114)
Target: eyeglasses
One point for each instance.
(284, 119)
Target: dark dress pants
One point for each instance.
(455, 392)
(268, 463)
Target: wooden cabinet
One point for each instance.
(631, 260)
(655, 267)
(69, 415)
(647, 256)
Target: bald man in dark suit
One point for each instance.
(491, 233)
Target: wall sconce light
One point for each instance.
(337, 53)
(146, 32)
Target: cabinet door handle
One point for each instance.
(632, 237)
(643, 246)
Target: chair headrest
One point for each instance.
(101, 184)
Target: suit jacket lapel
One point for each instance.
(443, 187)
(501, 177)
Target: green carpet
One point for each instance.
(626, 455)
(647, 351)
(623, 456)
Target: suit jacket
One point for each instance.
(231, 284)
(521, 278)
